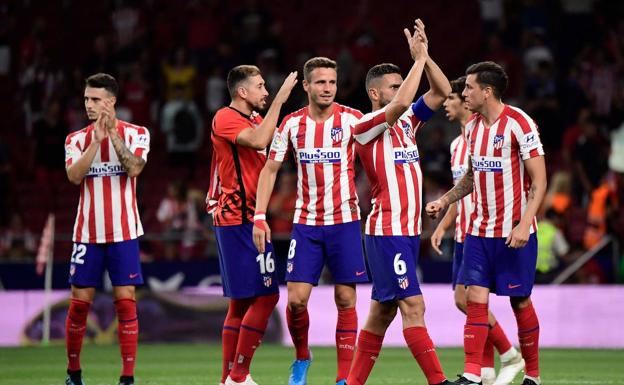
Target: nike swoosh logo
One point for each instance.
(358, 273)
(344, 338)
(133, 276)
(510, 286)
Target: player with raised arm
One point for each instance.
(104, 159)
(240, 138)
(387, 147)
(327, 217)
(458, 214)
(508, 175)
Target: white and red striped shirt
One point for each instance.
(324, 153)
(107, 210)
(391, 160)
(501, 182)
(459, 167)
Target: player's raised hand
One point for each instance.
(108, 112)
(419, 26)
(518, 237)
(100, 131)
(284, 91)
(261, 232)
(418, 49)
(433, 209)
(436, 239)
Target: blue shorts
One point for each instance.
(392, 261)
(458, 257)
(245, 273)
(121, 259)
(488, 262)
(340, 246)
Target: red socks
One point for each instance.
(128, 333)
(75, 328)
(475, 334)
(528, 334)
(346, 334)
(487, 360)
(422, 349)
(298, 325)
(498, 338)
(251, 332)
(368, 348)
(229, 335)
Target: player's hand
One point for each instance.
(261, 234)
(284, 91)
(519, 236)
(108, 113)
(100, 132)
(414, 40)
(436, 239)
(436, 207)
(419, 27)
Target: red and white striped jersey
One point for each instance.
(459, 167)
(324, 153)
(107, 210)
(391, 160)
(501, 183)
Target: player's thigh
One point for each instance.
(87, 264)
(515, 269)
(306, 258)
(345, 257)
(393, 266)
(478, 261)
(245, 272)
(123, 261)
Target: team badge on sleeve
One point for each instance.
(530, 142)
(142, 141)
(279, 142)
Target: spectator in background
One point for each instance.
(215, 90)
(559, 195)
(136, 91)
(542, 102)
(536, 51)
(589, 158)
(17, 243)
(552, 246)
(5, 180)
(182, 123)
(178, 218)
(49, 134)
(179, 76)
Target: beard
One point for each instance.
(260, 105)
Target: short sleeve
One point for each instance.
(229, 127)
(72, 151)
(279, 144)
(140, 143)
(527, 135)
(371, 125)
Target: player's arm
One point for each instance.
(461, 189)
(439, 86)
(445, 223)
(78, 168)
(266, 182)
(259, 138)
(536, 168)
(407, 91)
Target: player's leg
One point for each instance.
(85, 273)
(124, 267)
(370, 340)
(229, 335)
(303, 270)
(475, 274)
(345, 260)
(511, 359)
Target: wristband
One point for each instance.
(260, 216)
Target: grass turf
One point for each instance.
(177, 364)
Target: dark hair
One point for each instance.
(490, 74)
(457, 87)
(102, 80)
(317, 62)
(239, 74)
(380, 70)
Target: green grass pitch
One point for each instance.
(164, 364)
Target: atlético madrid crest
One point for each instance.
(499, 141)
(289, 267)
(267, 281)
(336, 134)
(403, 282)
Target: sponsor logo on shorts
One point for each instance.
(133, 276)
(359, 273)
(290, 267)
(72, 270)
(267, 280)
(403, 282)
(319, 155)
(510, 286)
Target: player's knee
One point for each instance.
(519, 302)
(344, 299)
(124, 292)
(297, 304)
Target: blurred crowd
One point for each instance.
(565, 60)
